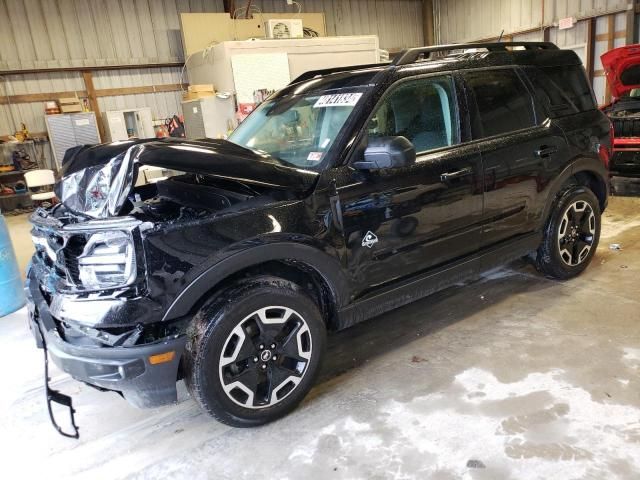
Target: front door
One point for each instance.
(402, 221)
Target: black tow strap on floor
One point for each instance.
(57, 397)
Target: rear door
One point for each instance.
(517, 147)
(402, 221)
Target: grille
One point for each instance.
(71, 252)
(65, 266)
(626, 127)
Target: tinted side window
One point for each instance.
(424, 111)
(563, 90)
(503, 102)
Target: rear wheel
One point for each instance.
(258, 352)
(571, 235)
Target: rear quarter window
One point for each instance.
(562, 90)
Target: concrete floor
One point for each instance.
(512, 376)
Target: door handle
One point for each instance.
(447, 177)
(545, 151)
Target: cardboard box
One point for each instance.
(196, 95)
(71, 108)
(68, 100)
(204, 87)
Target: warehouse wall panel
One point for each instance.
(467, 20)
(60, 33)
(75, 33)
(398, 23)
(460, 20)
(162, 104)
(600, 47)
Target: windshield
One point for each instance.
(297, 129)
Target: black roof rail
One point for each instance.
(313, 73)
(410, 55)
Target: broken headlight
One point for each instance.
(107, 261)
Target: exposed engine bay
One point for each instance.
(626, 111)
(112, 180)
(115, 196)
(625, 117)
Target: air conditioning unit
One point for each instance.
(284, 28)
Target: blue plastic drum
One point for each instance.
(11, 292)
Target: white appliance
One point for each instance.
(68, 130)
(124, 124)
(284, 28)
(214, 64)
(211, 117)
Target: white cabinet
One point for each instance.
(250, 70)
(124, 124)
(69, 130)
(303, 54)
(211, 117)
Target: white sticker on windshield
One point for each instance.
(314, 156)
(338, 100)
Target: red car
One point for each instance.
(622, 68)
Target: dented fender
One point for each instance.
(323, 263)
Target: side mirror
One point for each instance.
(387, 152)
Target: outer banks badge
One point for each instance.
(369, 239)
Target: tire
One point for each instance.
(254, 351)
(571, 235)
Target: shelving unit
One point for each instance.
(16, 195)
(16, 200)
(12, 173)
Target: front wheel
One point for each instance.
(571, 235)
(254, 354)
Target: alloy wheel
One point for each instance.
(265, 357)
(576, 233)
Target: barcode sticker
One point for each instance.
(338, 100)
(314, 156)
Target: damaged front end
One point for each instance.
(86, 288)
(134, 219)
(89, 311)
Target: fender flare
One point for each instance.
(327, 266)
(584, 164)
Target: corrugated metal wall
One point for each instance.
(466, 20)
(459, 22)
(162, 104)
(70, 33)
(398, 23)
(64, 33)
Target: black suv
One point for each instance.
(349, 193)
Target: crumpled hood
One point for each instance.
(96, 180)
(622, 68)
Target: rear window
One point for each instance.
(503, 102)
(562, 90)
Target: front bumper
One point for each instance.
(122, 369)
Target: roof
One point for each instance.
(430, 60)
